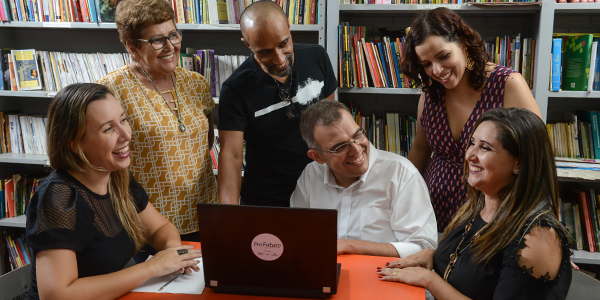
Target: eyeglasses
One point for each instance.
(358, 138)
(290, 111)
(161, 41)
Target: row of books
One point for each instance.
(579, 213)
(23, 134)
(369, 64)
(512, 52)
(52, 71)
(186, 11)
(215, 68)
(377, 63)
(392, 132)
(15, 193)
(422, 1)
(575, 62)
(14, 252)
(576, 137)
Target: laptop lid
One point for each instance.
(275, 251)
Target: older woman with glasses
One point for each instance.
(169, 109)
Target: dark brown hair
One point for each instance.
(133, 16)
(322, 113)
(533, 195)
(66, 126)
(449, 25)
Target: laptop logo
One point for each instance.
(267, 247)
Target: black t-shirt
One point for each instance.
(65, 214)
(502, 277)
(275, 151)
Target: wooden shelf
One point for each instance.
(13, 222)
(86, 25)
(21, 158)
(372, 90)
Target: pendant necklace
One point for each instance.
(181, 125)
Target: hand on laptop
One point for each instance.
(169, 260)
(423, 258)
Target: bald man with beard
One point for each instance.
(261, 103)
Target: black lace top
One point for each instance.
(502, 277)
(65, 214)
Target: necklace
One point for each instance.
(460, 249)
(181, 125)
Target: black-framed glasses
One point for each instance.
(161, 41)
(358, 138)
(285, 96)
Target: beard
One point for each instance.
(285, 72)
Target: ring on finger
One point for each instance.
(182, 251)
(395, 273)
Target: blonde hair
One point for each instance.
(66, 126)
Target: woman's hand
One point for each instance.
(423, 258)
(169, 261)
(413, 276)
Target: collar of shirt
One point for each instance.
(329, 178)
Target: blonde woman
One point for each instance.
(89, 217)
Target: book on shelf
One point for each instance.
(580, 206)
(556, 65)
(26, 70)
(15, 252)
(392, 132)
(17, 190)
(369, 62)
(23, 134)
(577, 56)
(215, 68)
(510, 51)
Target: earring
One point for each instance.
(469, 61)
(516, 172)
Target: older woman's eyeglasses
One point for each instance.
(161, 41)
(358, 138)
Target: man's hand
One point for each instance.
(343, 246)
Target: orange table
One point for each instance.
(358, 281)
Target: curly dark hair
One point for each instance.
(449, 25)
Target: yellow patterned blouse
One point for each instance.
(175, 168)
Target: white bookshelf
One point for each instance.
(575, 94)
(585, 257)
(21, 158)
(44, 94)
(13, 222)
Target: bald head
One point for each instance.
(260, 14)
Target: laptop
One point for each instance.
(269, 251)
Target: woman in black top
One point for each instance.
(89, 217)
(506, 241)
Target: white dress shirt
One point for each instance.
(388, 204)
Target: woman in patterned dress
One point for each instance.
(169, 109)
(447, 59)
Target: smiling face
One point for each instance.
(347, 168)
(271, 43)
(163, 61)
(105, 141)
(442, 60)
(490, 165)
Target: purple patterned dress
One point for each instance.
(445, 170)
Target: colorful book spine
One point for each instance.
(556, 64)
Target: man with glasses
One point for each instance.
(382, 201)
(261, 103)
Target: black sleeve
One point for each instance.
(331, 82)
(231, 110)
(139, 194)
(517, 283)
(59, 218)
